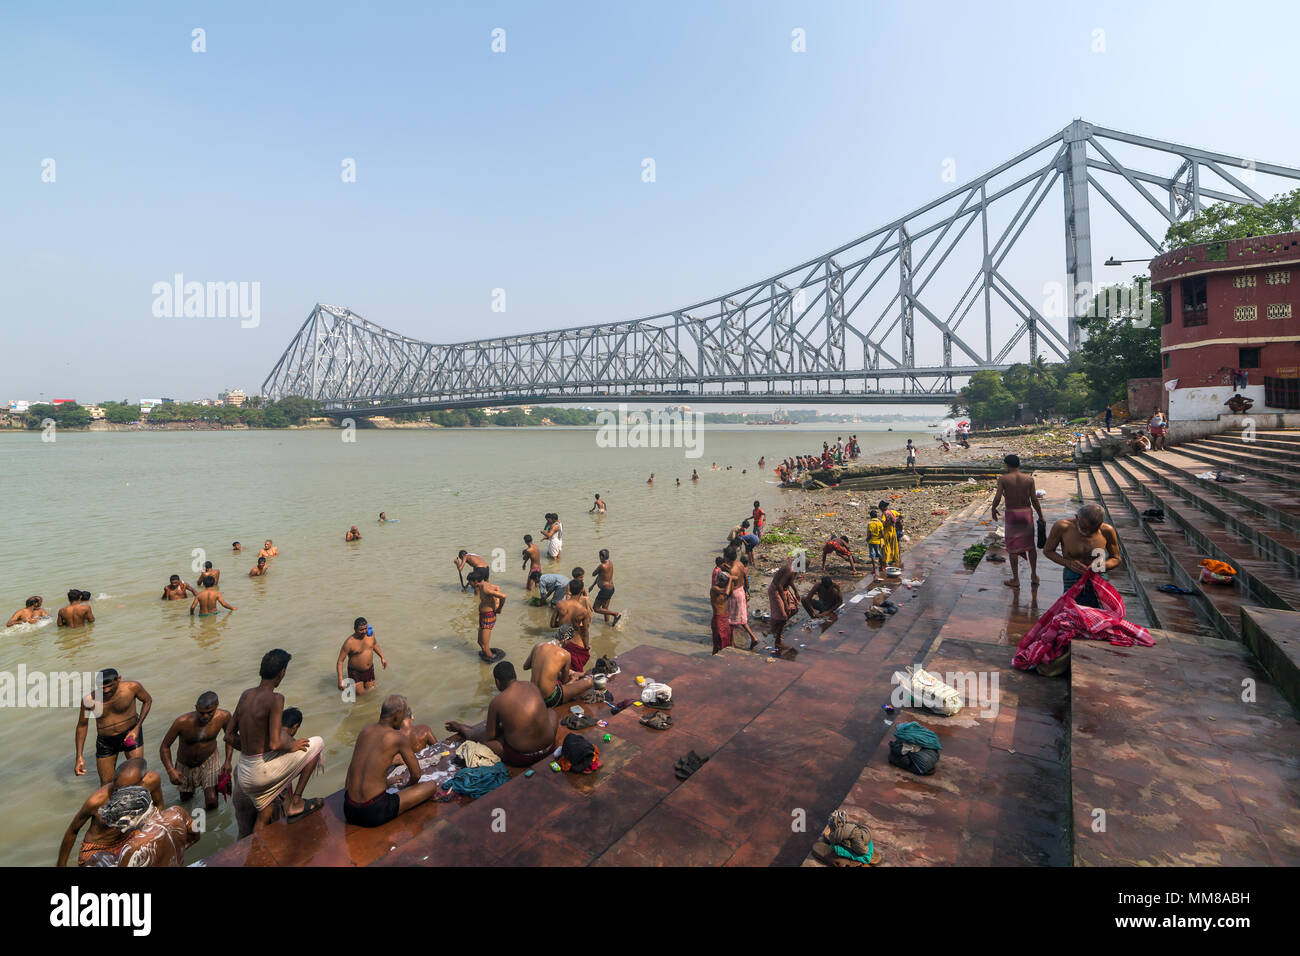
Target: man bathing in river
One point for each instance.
(99, 836)
(268, 550)
(149, 836)
(259, 569)
(720, 588)
(605, 588)
(1022, 502)
(176, 589)
(466, 559)
(269, 757)
(571, 617)
(208, 599)
(520, 728)
(358, 652)
(490, 602)
(366, 800)
(353, 534)
(552, 670)
(117, 724)
(532, 561)
(1082, 543)
(210, 572)
(198, 766)
(78, 611)
(598, 506)
(30, 612)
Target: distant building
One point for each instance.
(233, 396)
(19, 406)
(63, 401)
(148, 404)
(1231, 325)
(96, 412)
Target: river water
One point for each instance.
(117, 513)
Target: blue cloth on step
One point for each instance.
(913, 733)
(476, 781)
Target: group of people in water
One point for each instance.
(840, 453)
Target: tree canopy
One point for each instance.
(1226, 220)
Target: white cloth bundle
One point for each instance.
(926, 690)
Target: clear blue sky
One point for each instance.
(522, 170)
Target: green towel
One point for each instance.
(913, 733)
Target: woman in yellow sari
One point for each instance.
(893, 526)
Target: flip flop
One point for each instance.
(658, 721)
(497, 655)
(310, 806)
(687, 765)
(1174, 589)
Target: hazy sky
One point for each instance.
(522, 170)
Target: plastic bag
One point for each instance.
(924, 689)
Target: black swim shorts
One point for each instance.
(115, 744)
(372, 813)
(603, 595)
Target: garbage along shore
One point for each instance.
(817, 515)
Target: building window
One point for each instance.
(1247, 358)
(1282, 392)
(1245, 313)
(1278, 278)
(1243, 282)
(1279, 310)
(1166, 356)
(1195, 301)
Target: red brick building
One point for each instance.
(1232, 324)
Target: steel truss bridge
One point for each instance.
(843, 327)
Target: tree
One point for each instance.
(1121, 343)
(1225, 220)
(985, 398)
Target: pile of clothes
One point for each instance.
(1049, 639)
(915, 748)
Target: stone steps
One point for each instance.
(1249, 465)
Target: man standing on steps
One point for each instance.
(1159, 428)
(1018, 489)
(1085, 542)
(1108, 416)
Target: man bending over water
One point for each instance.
(29, 612)
(117, 725)
(519, 726)
(366, 800)
(473, 561)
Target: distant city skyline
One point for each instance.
(433, 172)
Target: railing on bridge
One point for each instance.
(845, 321)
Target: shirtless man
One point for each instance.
(149, 836)
(420, 735)
(29, 612)
(353, 534)
(259, 569)
(785, 579)
(571, 617)
(553, 674)
(605, 588)
(490, 602)
(1080, 544)
(824, 598)
(176, 589)
(77, 613)
(598, 506)
(358, 651)
(720, 587)
(532, 561)
(519, 726)
(208, 599)
(236, 547)
(269, 757)
(98, 836)
(1018, 489)
(463, 559)
(268, 550)
(210, 572)
(117, 725)
(366, 800)
(197, 765)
